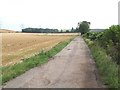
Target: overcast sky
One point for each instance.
(61, 14)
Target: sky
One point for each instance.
(58, 14)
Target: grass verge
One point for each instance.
(11, 72)
(107, 68)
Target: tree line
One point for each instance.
(39, 30)
(82, 27)
(47, 30)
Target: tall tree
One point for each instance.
(83, 27)
(72, 30)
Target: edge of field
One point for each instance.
(10, 72)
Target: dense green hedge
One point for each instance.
(105, 49)
(109, 40)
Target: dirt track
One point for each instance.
(73, 67)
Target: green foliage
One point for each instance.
(83, 27)
(89, 42)
(67, 31)
(105, 48)
(109, 40)
(108, 69)
(11, 72)
(93, 35)
(39, 30)
(73, 30)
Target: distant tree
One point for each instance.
(39, 30)
(67, 31)
(72, 30)
(83, 27)
(61, 31)
(76, 30)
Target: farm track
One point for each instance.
(73, 67)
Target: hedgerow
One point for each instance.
(109, 40)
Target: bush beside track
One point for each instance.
(105, 49)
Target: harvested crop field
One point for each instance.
(18, 46)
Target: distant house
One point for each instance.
(97, 30)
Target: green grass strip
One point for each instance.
(107, 68)
(11, 72)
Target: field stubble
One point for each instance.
(18, 46)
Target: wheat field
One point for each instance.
(18, 46)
